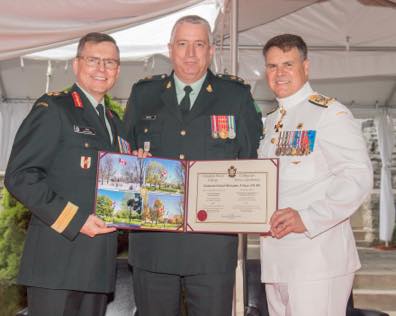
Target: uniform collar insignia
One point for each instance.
(209, 88)
(109, 113)
(77, 100)
(169, 85)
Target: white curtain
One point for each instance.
(386, 141)
(27, 26)
(11, 117)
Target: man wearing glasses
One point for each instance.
(68, 264)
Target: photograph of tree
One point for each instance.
(140, 193)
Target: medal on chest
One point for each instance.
(223, 126)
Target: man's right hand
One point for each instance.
(95, 226)
(141, 153)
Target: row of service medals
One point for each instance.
(293, 143)
(223, 126)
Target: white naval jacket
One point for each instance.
(326, 187)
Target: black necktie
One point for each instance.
(185, 103)
(100, 110)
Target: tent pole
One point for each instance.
(48, 76)
(239, 298)
(234, 37)
(391, 95)
(3, 94)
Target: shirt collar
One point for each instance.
(91, 99)
(296, 98)
(195, 86)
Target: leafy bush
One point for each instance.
(14, 220)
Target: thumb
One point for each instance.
(98, 222)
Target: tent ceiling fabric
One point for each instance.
(144, 40)
(253, 12)
(350, 42)
(54, 23)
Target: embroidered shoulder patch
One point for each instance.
(320, 100)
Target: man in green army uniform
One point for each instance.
(68, 264)
(191, 114)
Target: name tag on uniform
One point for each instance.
(149, 117)
(84, 130)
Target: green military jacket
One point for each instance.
(52, 171)
(153, 120)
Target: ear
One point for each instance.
(211, 51)
(118, 71)
(75, 65)
(306, 68)
(170, 49)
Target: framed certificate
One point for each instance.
(228, 196)
(231, 196)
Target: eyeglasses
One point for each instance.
(108, 63)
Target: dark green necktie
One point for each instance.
(100, 110)
(185, 103)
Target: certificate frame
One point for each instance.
(159, 194)
(211, 205)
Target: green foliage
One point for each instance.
(12, 299)
(155, 174)
(114, 105)
(14, 219)
(104, 206)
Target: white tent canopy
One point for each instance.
(352, 46)
(141, 41)
(26, 28)
(352, 51)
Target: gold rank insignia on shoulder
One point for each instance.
(230, 77)
(152, 78)
(320, 100)
(54, 93)
(41, 104)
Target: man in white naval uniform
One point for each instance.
(325, 174)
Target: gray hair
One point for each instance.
(193, 19)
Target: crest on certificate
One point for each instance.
(232, 171)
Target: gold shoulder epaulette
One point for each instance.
(42, 104)
(230, 77)
(56, 93)
(273, 110)
(153, 78)
(320, 100)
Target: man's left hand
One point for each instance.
(285, 221)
